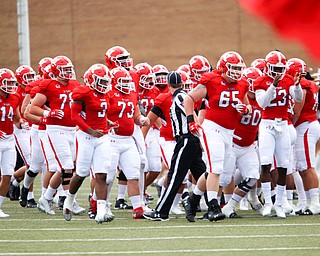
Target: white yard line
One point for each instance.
(166, 251)
(105, 227)
(154, 238)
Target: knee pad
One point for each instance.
(225, 180)
(66, 177)
(247, 184)
(32, 174)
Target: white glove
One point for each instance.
(144, 121)
(25, 126)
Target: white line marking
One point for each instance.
(105, 227)
(154, 238)
(164, 251)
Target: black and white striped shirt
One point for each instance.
(178, 114)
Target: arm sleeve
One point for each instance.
(264, 97)
(76, 108)
(296, 92)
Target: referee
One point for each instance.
(187, 154)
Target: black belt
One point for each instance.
(183, 136)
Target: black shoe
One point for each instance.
(204, 217)
(121, 204)
(234, 215)
(31, 203)
(23, 196)
(14, 193)
(214, 211)
(156, 216)
(61, 202)
(189, 209)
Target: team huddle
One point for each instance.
(199, 134)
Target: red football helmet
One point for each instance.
(251, 74)
(121, 80)
(25, 75)
(98, 78)
(187, 84)
(44, 62)
(8, 81)
(146, 76)
(185, 68)
(260, 64)
(296, 65)
(62, 67)
(275, 64)
(231, 64)
(118, 56)
(198, 66)
(160, 73)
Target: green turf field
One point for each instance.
(30, 232)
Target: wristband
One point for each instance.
(45, 113)
(190, 119)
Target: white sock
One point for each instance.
(266, 188)
(280, 190)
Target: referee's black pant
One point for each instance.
(187, 156)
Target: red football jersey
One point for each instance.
(8, 109)
(278, 107)
(309, 110)
(164, 102)
(22, 94)
(31, 85)
(95, 106)
(248, 125)
(59, 96)
(223, 98)
(147, 98)
(122, 107)
(163, 89)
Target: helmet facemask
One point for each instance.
(101, 84)
(9, 86)
(147, 81)
(125, 85)
(66, 72)
(234, 71)
(275, 70)
(123, 61)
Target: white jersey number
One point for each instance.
(4, 113)
(228, 96)
(123, 106)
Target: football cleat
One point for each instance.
(77, 209)
(228, 211)
(14, 193)
(92, 208)
(176, 209)
(214, 211)
(190, 210)
(138, 213)
(103, 217)
(121, 204)
(31, 203)
(45, 206)
(267, 208)
(312, 210)
(156, 216)
(67, 213)
(3, 215)
(279, 211)
(23, 196)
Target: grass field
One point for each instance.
(30, 232)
